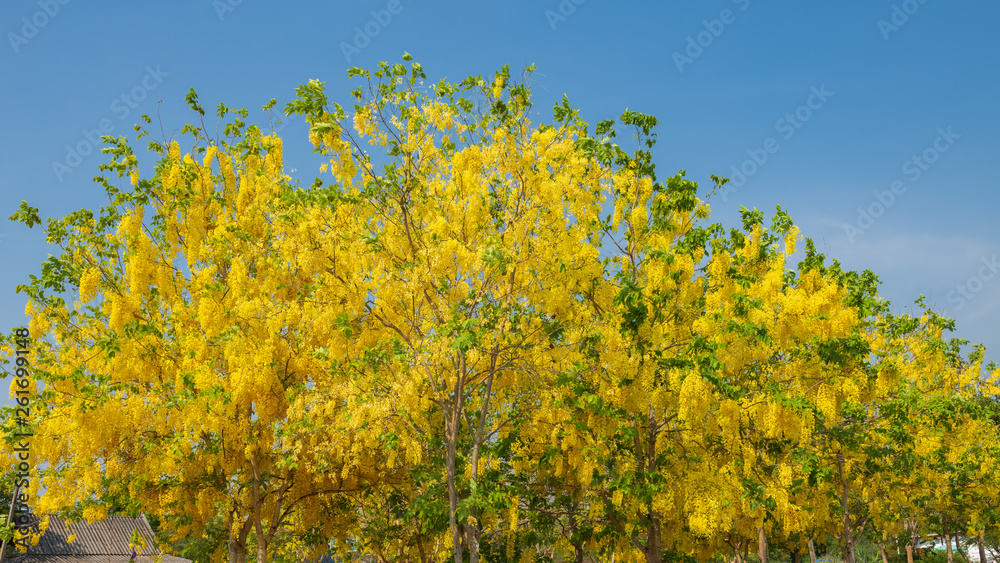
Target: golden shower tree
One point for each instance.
(171, 334)
(468, 241)
(478, 336)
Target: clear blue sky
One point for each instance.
(845, 100)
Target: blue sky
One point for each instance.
(826, 108)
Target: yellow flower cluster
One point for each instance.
(310, 345)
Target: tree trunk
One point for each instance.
(909, 553)
(452, 438)
(847, 542)
(737, 545)
(261, 550)
(812, 551)
(574, 538)
(654, 548)
(276, 518)
(261, 539)
(471, 535)
(654, 542)
(881, 551)
(794, 554)
(420, 545)
(761, 545)
(981, 543)
(453, 422)
(947, 539)
(847, 533)
(237, 543)
(473, 529)
(237, 551)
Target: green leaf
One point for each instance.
(26, 214)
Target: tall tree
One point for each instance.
(178, 311)
(453, 262)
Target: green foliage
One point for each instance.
(6, 529)
(938, 556)
(199, 548)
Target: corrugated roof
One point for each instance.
(92, 559)
(106, 541)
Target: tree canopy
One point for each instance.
(478, 337)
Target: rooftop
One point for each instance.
(99, 542)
